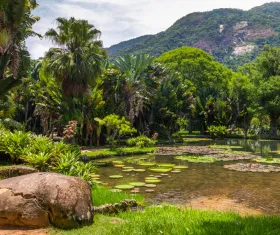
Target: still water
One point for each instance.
(259, 191)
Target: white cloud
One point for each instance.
(121, 20)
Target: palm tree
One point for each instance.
(136, 83)
(15, 26)
(78, 60)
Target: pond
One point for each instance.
(260, 191)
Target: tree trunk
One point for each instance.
(273, 126)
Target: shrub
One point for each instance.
(217, 131)
(69, 164)
(141, 141)
(38, 160)
(15, 144)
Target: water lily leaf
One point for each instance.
(124, 186)
(118, 162)
(149, 190)
(139, 170)
(150, 186)
(176, 171)
(119, 166)
(153, 181)
(137, 184)
(180, 167)
(151, 178)
(160, 169)
(128, 167)
(115, 176)
(127, 170)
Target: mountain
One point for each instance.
(232, 36)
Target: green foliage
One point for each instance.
(217, 131)
(140, 141)
(38, 160)
(117, 127)
(69, 164)
(15, 144)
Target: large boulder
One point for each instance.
(44, 199)
(16, 170)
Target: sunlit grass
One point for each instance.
(173, 221)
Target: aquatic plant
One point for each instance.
(197, 159)
(115, 176)
(160, 169)
(137, 184)
(124, 186)
(269, 160)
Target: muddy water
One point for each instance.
(256, 191)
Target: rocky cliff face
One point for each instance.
(232, 36)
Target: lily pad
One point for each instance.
(180, 167)
(95, 176)
(119, 166)
(151, 178)
(149, 190)
(137, 184)
(167, 165)
(160, 169)
(139, 170)
(176, 171)
(147, 164)
(135, 191)
(115, 176)
(150, 186)
(268, 160)
(164, 174)
(124, 187)
(153, 181)
(127, 167)
(127, 170)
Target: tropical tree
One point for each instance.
(78, 60)
(136, 84)
(16, 25)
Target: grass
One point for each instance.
(171, 220)
(102, 196)
(120, 152)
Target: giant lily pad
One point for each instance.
(127, 167)
(137, 184)
(118, 162)
(124, 186)
(153, 181)
(139, 170)
(180, 167)
(176, 171)
(115, 176)
(127, 170)
(151, 178)
(160, 169)
(150, 186)
(268, 160)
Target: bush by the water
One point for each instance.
(44, 154)
(141, 141)
(217, 131)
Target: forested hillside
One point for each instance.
(232, 36)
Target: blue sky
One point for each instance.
(121, 20)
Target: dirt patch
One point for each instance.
(222, 204)
(21, 231)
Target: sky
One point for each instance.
(121, 20)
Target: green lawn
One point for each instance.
(102, 196)
(119, 152)
(170, 220)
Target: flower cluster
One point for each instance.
(70, 129)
